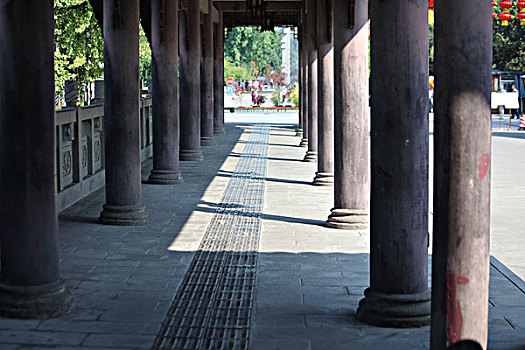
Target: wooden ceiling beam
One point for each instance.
(233, 19)
(271, 6)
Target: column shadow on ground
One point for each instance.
(510, 134)
(275, 144)
(282, 218)
(238, 155)
(123, 281)
(314, 297)
(299, 299)
(298, 182)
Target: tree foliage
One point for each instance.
(294, 95)
(144, 56)
(79, 53)
(79, 45)
(245, 45)
(509, 44)
(236, 72)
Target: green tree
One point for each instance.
(144, 56)
(509, 44)
(294, 95)
(236, 72)
(79, 51)
(245, 45)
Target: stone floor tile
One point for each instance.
(119, 341)
(15, 324)
(270, 320)
(281, 344)
(43, 338)
(59, 325)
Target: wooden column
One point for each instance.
(121, 115)
(352, 117)
(303, 65)
(29, 285)
(311, 48)
(462, 156)
(207, 138)
(218, 78)
(165, 69)
(299, 128)
(325, 128)
(398, 295)
(190, 81)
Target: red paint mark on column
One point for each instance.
(454, 316)
(463, 280)
(483, 166)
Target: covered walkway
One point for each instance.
(238, 257)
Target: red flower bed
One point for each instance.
(267, 108)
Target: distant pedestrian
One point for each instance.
(515, 112)
(501, 109)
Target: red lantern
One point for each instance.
(430, 3)
(506, 4)
(505, 15)
(493, 3)
(521, 14)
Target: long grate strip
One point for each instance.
(213, 306)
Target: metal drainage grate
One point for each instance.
(213, 306)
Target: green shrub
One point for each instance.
(276, 98)
(294, 95)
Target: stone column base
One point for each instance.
(348, 219)
(311, 157)
(219, 130)
(323, 179)
(298, 132)
(40, 302)
(395, 310)
(208, 141)
(165, 177)
(304, 142)
(190, 155)
(127, 215)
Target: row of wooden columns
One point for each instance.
(333, 48)
(391, 190)
(175, 37)
(30, 284)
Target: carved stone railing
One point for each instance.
(146, 128)
(80, 165)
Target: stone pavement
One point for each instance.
(308, 278)
(507, 234)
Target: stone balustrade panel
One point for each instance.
(79, 168)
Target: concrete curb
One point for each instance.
(505, 271)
